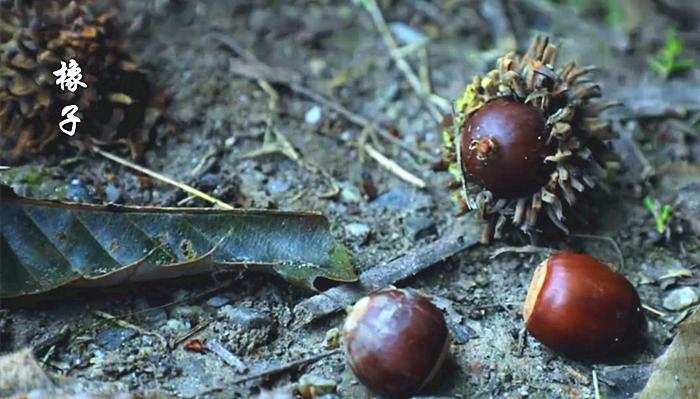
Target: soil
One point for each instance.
(218, 117)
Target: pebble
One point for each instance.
(176, 325)
(349, 193)
(418, 226)
(209, 181)
(245, 317)
(112, 193)
(403, 198)
(358, 231)
(276, 186)
(681, 298)
(112, 338)
(218, 301)
(187, 312)
(407, 34)
(230, 142)
(311, 385)
(313, 116)
(78, 192)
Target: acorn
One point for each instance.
(35, 36)
(395, 342)
(526, 140)
(580, 307)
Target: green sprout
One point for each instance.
(662, 213)
(671, 59)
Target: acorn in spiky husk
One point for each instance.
(35, 36)
(526, 144)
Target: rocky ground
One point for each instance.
(219, 118)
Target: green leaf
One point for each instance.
(49, 244)
(671, 59)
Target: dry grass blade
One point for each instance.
(182, 186)
(394, 167)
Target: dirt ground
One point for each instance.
(219, 117)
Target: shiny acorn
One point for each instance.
(580, 307)
(395, 341)
(504, 147)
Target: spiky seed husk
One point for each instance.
(571, 109)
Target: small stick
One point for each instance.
(527, 249)
(654, 311)
(394, 167)
(156, 175)
(596, 390)
(385, 274)
(286, 366)
(228, 357)
(199, 327)
(126, 324)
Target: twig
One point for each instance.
(286, 366)
(156, 175)
(393, 167)
(228, 357)
(596, 389)
(413, 80)
(255, 69)
(387, 273)
(199, 327)
(527, 249)
(126, 324)
(654, 311)
(47, 344)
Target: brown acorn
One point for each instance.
(580, 307)
(395, 341)
(35, 36)
(526, 140)
(504, 147)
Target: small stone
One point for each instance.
(358, 231)
(332, 338)
(313, 386)
(112, 193)
(176, 325)
(276, 186)
(681, 298)
(112, 338)
(418, 226)
(78, 192)
(403, 198)
(209, 181)
(247, 318)
(230, 142)
(218, 301)
(188, 313)
(349, 193)
(481, 280)
(406, 34)
(313, 116)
